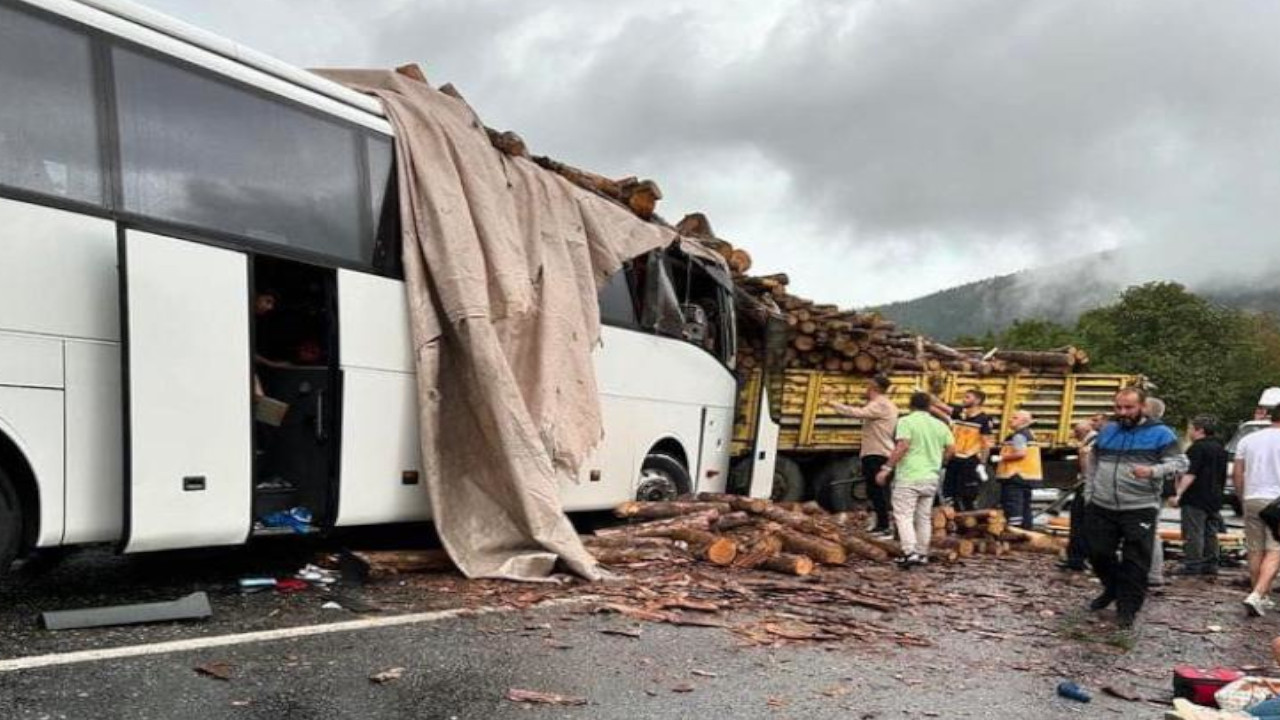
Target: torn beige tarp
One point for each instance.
(502, 263)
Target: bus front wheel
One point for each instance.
(662, 477)
(10, 523)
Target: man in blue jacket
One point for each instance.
(1131, 458)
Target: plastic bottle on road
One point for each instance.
(1072, 691)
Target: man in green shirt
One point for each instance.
(923, 444)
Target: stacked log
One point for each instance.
(828, 338)
(746, 533)
(987, 532)
(823, 337)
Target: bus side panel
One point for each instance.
(57, 273)
(95, 463)
(654, 388)
(380, 475)
(380, 471)
(32, 418)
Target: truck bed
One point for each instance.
(809, 425)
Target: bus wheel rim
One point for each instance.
(656, 485)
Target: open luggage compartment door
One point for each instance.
(188, 389)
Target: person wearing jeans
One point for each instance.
(922, 444)
(1198, 495)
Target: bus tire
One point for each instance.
(10, 523)
(788, 480)
(662, 477)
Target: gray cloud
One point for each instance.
(876, 149)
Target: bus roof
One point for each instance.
(106, 15)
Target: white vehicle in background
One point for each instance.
(156, 182)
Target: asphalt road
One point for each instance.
(463, 668)
(1009, 631)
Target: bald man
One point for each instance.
(1019, 470)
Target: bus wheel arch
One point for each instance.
(664, 475)
(19, 503)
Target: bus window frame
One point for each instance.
(111, 165)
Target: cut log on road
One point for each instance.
(964, 548)
(974, 518)
(625, 541)
(823, 551)
(890, 547)
(733, 520)
(627, 556)
(697, 521)
(737, 502)
(386, 563)
(800, 565)
(756, 547)
(715, 549)
(666, 509)
(863, 549)
(802, 523)
(1032, 541)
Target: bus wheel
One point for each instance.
(10, 523)
(662, 477)
(788, 480)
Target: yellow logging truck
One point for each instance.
(816, 450)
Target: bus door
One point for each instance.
(188, 387)
(764, 449)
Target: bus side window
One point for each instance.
(384, 204)
(49, 122)
(617, 307)
(660, 310)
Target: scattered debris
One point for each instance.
(1072, 691)
(387, 675)
(192, 607)
(625, 632)
(543, 698)
(217, 670)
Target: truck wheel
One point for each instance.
(662, 477)
(10, 523)
(788, 481)
(834, 484)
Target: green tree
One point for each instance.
(1202, 357)
(1037, 334)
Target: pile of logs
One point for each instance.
(826, 337)
(739, 532)
(790, 538)
(986, 532)
(823, 337)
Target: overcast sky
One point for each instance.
(875, 150)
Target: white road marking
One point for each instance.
(203, 643)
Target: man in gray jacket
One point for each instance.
(1131, 458)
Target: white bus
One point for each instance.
(181, 220)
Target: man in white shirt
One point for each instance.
(1256, 476)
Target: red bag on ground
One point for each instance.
(1198, 685)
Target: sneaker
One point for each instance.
(1102, 602)
(1255, 605)
(918, 559)
(1268, 603)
